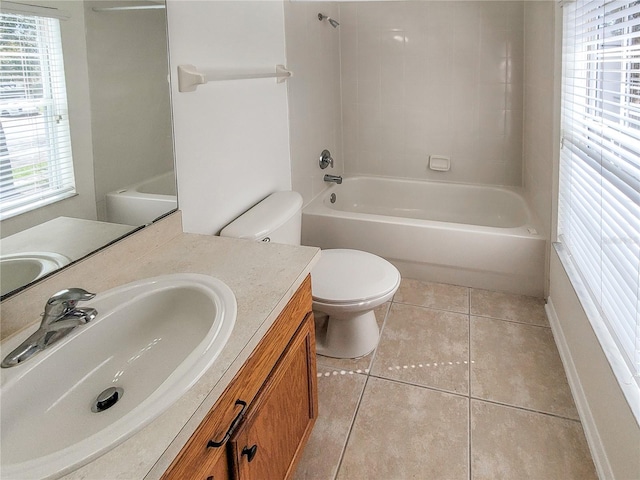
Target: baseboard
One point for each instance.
(598, 453)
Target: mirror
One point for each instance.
(119, 123)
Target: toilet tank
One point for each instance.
(277, 218)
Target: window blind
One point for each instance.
(599, 192)
(36, 165)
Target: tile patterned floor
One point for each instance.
(464, 384)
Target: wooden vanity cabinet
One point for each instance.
(260, 424)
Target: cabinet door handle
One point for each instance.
(250, 452)
(234, 424)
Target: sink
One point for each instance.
(152, 340)
(20, 269)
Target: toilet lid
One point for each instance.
(348, 276)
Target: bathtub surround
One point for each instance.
(315, 112)
(433, 78)
(426, 78)
(415, 79)
(541, 84)
(541, 140)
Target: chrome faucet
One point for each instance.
(333, 178)
(60, 317)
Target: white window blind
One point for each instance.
(36, 165)
(599, 195)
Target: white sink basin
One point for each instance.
(152, 338)
(19, 269)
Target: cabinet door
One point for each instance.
(220, 470)
(197, 460)
(269, 443)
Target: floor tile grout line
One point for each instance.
(548, 327)
(526, 409)
(429, 307)
(506, 293)
(471, 397)
(434, 389)
(353, 421)
(470, 438)
(367, 375)
(375, 350)
(469, 384)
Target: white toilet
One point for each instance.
(347, 285)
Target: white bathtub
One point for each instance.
(476, 236)
(142, 203)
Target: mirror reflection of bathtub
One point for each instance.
(143, 202)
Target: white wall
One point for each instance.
(127, 57)
(611, 429)
(231, 138)
(444, 78)
(315, 114)
(76, 74)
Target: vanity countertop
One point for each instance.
(263, 277)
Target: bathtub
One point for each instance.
(142, 203)
(470, 235)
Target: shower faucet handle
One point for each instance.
(325, 159)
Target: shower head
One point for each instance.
(333, 23)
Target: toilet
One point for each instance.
(347, 285)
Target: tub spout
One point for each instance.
(333, 178)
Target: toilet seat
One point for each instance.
(352, 277)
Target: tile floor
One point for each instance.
(465, 383)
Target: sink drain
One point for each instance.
(107, 399)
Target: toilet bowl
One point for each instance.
(347, 285)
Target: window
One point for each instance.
(599, 198)
(36, 166)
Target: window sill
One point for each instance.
(14, 212)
